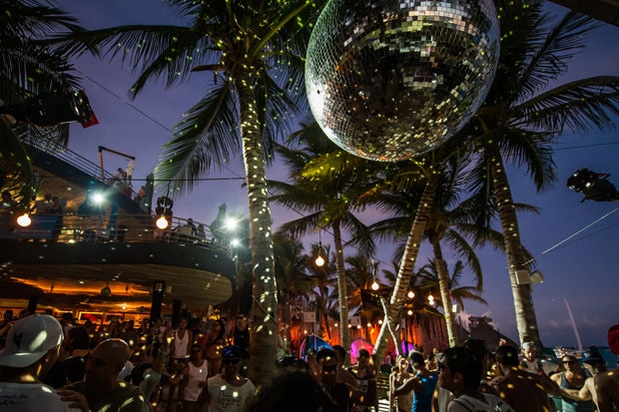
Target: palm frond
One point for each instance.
(200, 142)
(578, 105)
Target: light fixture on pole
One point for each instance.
(164, 212)
(375, 286)
(319, 261)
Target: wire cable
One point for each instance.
(550, 249)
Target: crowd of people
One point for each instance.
(471, 378)
(118, 367)
(62, 365)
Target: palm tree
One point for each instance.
(428, 279)
(449, 222)
(523, 114)
(325, 203)
(28, 70)
(290, 270)
(323, 293)
(255, 52)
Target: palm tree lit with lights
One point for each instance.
(254, 51)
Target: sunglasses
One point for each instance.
(231, 361)
(329, 368)
(568, 362)
(196, 351)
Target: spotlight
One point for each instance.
(50, 110)
(231, 223)
(97, 198)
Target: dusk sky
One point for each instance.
(581, 270)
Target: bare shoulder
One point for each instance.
(607, 389)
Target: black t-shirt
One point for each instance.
(241, 339)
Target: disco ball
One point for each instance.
(389, 80)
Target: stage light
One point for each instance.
(50, 110)
(231, 223)
(97, 198)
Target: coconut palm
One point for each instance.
(524, 113)
(449, 223)
(254, 52)
(28, 70)
(323, 293)
(290, 270)
(429, 280)
(327, 204)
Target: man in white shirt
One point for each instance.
(32, 347)
(228, 391)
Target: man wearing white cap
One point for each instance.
(32, 347)
(530, 361)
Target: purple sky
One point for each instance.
(583, 270)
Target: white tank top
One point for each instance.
(196, 374)
(180, 345)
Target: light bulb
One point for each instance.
(410, 294)
(162, 223)
(375, 285)
(24, 220)
(320, 261)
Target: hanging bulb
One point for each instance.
(320, 261)
(375, 285)
(410, 294)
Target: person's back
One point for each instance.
(523, 390)
(607, 389)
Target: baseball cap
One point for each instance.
(528, 345)
(231, 352)
(29, 339)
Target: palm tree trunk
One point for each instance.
(264, 308)
(341, 285)
(408, 263)
(443, 285)
(523, 302)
